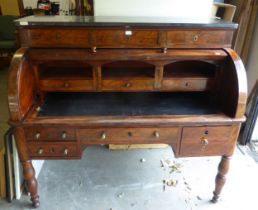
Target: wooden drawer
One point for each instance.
(201, 141)
(128, 135)
(197, 38)
(125, 38)
(65, 37)
(50, 134)
(42, 150)
(66, 85)
(187, 84)
(128, 85)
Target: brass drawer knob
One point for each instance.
(40, 151)
(205, 141)
(66, 85)
(156, 134)
(64, 135)
(128, 85)
(103, 135)
(65, 151)
(195, 38)
(94, 49)
(37, 135)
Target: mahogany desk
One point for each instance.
(79, 81)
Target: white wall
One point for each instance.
(252, 64)
(186, 8)
(252, 69)
(30, 3)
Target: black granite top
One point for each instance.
(96, 21)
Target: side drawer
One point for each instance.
(125, 38)
(205, 140)
(197, 38)
(65, 37)
(128, 85)
(128, 135)
(66, 85)
(49, 134)
(50, 150)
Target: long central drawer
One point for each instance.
(128, 135)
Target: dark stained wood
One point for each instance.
(70, 87)
(124, 38)
(221, 177)
(206, 140)
(128, 135)
(28, 170)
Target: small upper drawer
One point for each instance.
(205, 140)
(125, 38)
(128, 135)
(49, 134)
(55, 38)
(187, 84)
(128, 85)
(66, 85)
(198, 38)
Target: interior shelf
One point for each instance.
(128, 69)
(64, 70)
(190, 69)
(127, 104)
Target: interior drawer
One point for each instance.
(125, 38)
(65, 37)
(205, 140)
(197, 38)
(128, 135)
(50, 134)
(66, 85)
(187, 84)
(42, 150)
(128, 84)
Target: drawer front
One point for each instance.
(201, 141)
(128, 135)
(197, 38)
(66, 85)
(125, 38)
(55, 38)
(50, 134)
(43, 150)
(128, 85)
(187, 84)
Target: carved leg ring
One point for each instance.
(32, 184)
(221, 177)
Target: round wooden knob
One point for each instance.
(156, 134)
(64, 135)
(195, 38)
(65, 151)
(165, 50)
(128, 85)
(205, 141)
(103, 135)
(40, 151)
(94, 49)
(38, 109)
(66, 85)
(37, 135)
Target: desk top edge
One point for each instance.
(122, 21)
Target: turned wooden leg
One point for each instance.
(221, 177)
(28, 170)
(31, 181)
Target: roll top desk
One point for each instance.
(79, 81)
